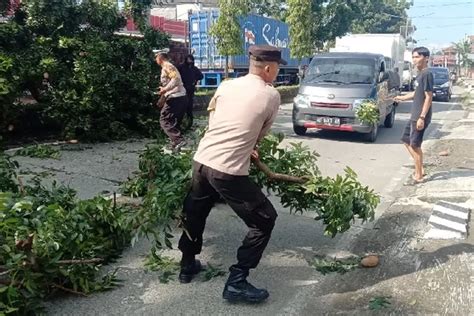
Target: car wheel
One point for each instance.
(390, 119)
(372, 136)
(299, 130)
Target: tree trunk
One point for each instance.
(226, 68)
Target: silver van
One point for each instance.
(335, 84)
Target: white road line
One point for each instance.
(449, 224)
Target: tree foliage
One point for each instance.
(381, 16)
(464, 50)
(299, 17)
(67, 56)
(332, 18)
(227, 31)
(276, 9)
(8, 180)
(50, 241)
(335, 18)
(138, 10)
(164, 180)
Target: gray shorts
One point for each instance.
(412, 136)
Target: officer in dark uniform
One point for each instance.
(190, 75)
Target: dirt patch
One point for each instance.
(460, 155)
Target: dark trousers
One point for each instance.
(171, 116)
(243, 196)
(190, 101)
(189, 106)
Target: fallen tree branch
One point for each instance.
(277, 176)
(65, 289)
(5, 272)
(9, 283)
(81, 261)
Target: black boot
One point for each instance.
(238, 289)
(189, 270)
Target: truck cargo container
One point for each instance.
(255, 30)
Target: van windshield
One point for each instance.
(439, 74)
(341, 70)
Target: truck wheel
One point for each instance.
(372, 136)
(390, 119)
(299, 130)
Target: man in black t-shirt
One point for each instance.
(421, 110)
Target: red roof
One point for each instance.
(174, 28)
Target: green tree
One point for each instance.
(382, 16)
(324, 19)
(299, 17)
(276, 9)
(67, 55)
(331, 19)
(227, 31)
(138, 10)
(464, 50)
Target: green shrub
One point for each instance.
(90, 82)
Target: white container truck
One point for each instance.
(392, 46)
(408, 72)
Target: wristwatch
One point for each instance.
(422, 117)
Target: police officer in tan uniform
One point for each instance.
(243, 111)
(172, 101)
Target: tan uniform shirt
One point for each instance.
(245, 109)
(171, 80)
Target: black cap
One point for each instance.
(266, 53)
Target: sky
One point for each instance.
(441, 22)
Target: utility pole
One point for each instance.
(406, 29)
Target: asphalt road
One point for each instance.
(377, 164)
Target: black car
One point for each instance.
(442, 84)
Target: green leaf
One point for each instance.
(379, 302)
(325, 265)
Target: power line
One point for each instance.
(424, 2)
(442, 5)
(445, 18)
(440, 26)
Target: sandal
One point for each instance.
(412, 181)
(424, 174)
